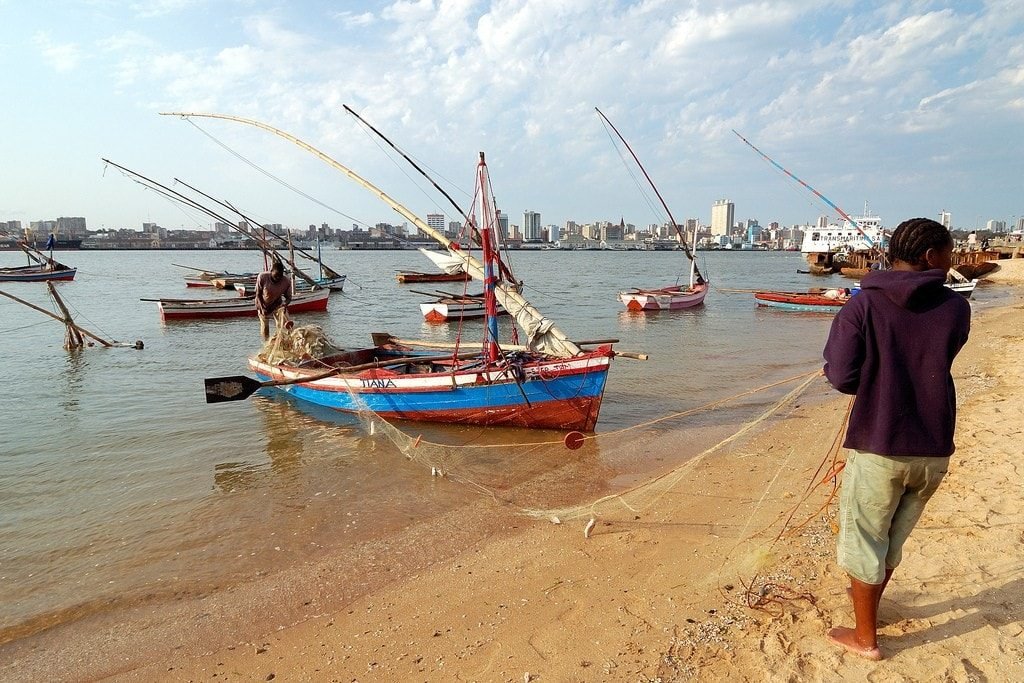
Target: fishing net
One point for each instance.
(297, 345)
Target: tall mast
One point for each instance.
(661, 199)
(817, 194)
(487, 218)
(542, 334)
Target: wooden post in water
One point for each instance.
(73, 338)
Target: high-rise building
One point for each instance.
(72, 227)
(531, 226)
(946, 218)
(503, 224)
(996, 226)
(435, 221)
(722, 216)
(822, 222)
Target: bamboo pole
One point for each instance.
(73, 338)
(109, 344)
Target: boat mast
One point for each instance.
(679, 231)
(487, 217)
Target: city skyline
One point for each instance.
(907, 106)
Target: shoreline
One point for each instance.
(656, 589)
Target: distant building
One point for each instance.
(822, 222)
(435, 221)
(503, 224)
(723, 213)
(946, 218)
(996, 226)
(531, 226)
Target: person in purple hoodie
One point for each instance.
(892, 346)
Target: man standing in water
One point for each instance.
(273, 294)
(892, 347)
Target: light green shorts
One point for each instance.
(881, 500)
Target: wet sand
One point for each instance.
(723, 569)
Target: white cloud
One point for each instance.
(152, 9)
(63, 57)
(354, 20)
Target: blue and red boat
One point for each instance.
(548, 383)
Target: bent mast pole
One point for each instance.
(540, 330)
(816, 193)
(661, 199)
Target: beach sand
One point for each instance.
(722, 569)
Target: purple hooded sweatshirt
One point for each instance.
(892, 346)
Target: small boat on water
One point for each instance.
(335, 284)
(234, 307)
(43, 269)
(450, 267)
(826, 301)
(664, 299)
(454, 307)
(413, 276)
(672, 297)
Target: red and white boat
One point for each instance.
(236, 307)
(827, 301)
(664, 299)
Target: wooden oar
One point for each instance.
(240, 387)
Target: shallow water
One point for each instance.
(118, 483)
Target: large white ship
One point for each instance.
(824, 248)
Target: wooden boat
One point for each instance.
(37, 273)
(447, 308)
(44, 269)
(827, 301)
(549, 383)
(412, 276)
(335, 284)
(664, 299)
(233, 307)
(673, 297)
(216, 279)
(964, 289)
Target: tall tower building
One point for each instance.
(436, 221)
(723, 214)
(946, 218)
(503, 224)
(531, 226)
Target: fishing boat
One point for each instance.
(43, 269)
(234, 307)
(664, 299)
(673, 297)
(335, 284)
(826, 301)
(456, 307)
(412, 276)
(547, 382)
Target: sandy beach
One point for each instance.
(721, 569)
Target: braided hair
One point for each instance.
(912, 238)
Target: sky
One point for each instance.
(908, 107)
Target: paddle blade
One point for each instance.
(381, 338)
(238, 388)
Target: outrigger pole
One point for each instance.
(817, 194)
(74, 331)
(540, 330)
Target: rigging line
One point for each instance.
(411, 161)
(404, 172)
(659, 214)
(275, 178)
(25, 327)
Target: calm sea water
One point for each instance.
(119, 483)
